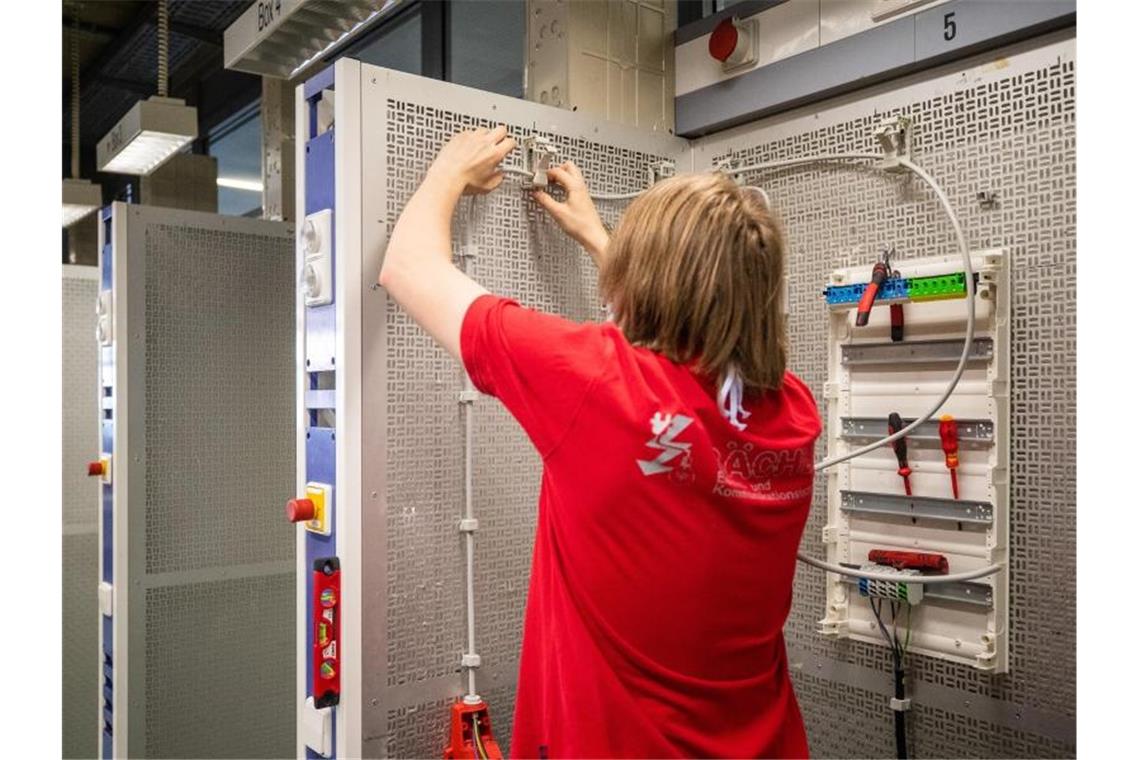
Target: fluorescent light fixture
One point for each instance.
(147, 136)
(236, 183)
(307, 62)
(80, 198)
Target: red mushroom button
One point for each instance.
(722, 42)
(299, 510)
(95, 469)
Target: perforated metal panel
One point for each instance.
(208, 401)
(80, 515)
(1006, 129)
(520, 253)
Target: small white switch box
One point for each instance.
(316, 246)
(106, 598)
(316, 728)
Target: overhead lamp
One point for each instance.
(154, 129)
(147, 136)
(80, 198)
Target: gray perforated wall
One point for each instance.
(211, 413)
(80, 515)
(1003, 125)
(519, 253)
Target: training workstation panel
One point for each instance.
(377, 399)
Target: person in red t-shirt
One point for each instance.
(677, 461)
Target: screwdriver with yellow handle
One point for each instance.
(948, 432)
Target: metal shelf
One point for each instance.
(913, 352)
(972, 434)
(949, 510)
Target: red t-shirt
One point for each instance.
(665, 547)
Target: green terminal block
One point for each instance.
(937, 288)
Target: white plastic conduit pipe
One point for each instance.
(466, 403)
(844, 159)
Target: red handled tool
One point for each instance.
(470, 735)
(948, 431)
(934, 563)
(879, 275)
(894, 425)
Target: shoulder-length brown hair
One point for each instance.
(694, 271)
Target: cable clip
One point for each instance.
(468, 525)
(537, 155)
(474, 661)
(894, 138)
(900, 705)
(468, 396)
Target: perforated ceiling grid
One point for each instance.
(521, 254)
(219, 389)
(1013, 136)
(80, 518)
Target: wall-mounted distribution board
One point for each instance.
(947, 492)
(195, 412)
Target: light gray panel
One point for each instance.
(219, 389)
(80, 644)
(80, 518)
(521, 254)
(211, 605)
(80, 395)
(1013, 136)
(964, 23)
(219, 676)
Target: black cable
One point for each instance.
(900, 688)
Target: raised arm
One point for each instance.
(576, 215)
(418, 271)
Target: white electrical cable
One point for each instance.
(967, 344)
(855, 572)
(958, 370)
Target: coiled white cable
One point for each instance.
(960, 238)
(968, 269)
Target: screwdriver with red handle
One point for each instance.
(948, 432)
(879, 274)
(894, 425)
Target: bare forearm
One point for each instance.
(423, 231)
(418, 272)
(596, 247)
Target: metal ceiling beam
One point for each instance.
(209, 36)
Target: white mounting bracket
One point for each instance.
(537, 155)
(894, 138)
(728, 166)
(660, 171)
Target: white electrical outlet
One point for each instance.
(316, 245)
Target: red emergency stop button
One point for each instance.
(96, 469)
(723, 40)
(300, 510)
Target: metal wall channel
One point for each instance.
(914, 352)
(978, 594)
(972, 434)
(950, 510)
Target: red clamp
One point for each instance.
(471, 735)
(934, 563)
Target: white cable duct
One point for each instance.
(466, 402)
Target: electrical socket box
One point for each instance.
(317, 245)
(104, 323)
(321, 496)
(867, 505)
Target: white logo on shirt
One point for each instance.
(666, 428)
